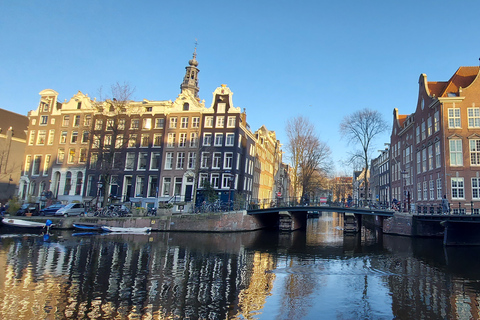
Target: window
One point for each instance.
(93, 160)
(145, 140)
(157, 140)
(231, 122)
(476, 188)
(204, 161)
(454, 117)
(87, 120)
(226, 178)
(417, 132)
(68, 183)
(119, 141)
(173, 123)
(79, 105)
(155, 161)
(167, 181)
(169, 160)
(76, 121)
(51, 136)
(42, 134)
(475, 152)
(82, 158)
(457, 188)
(36, 165)
(437, 154)
(66, 121)
(209, 122)
(96, 142)
(425, 190)
(135, 124)
(74, 137)
(430, 157)
(429, 126)
(31, 139)
(218, 139)
(177, 187)
(142, 161)
(456, 157)
(98, 124)
(71, 155)
(152, 186)
(117, 160)
(63, 137)
(439, 188)
(121, 124)
(132, 141)
(217, 157)
(180, 160)
(228, 161)
(171, 140)
(220, 122)
(230, 139)
(202, 180)
(424, 160)
(43, 120)
(130, 161)
(473, 117)
(192, 156)
(140, 185)
(45, 106)
(221, 106)
(186, 107)
(110, 124)
(423, 130)
(193, 139)
(207, 139)
(147, 123)
(60, 155)
(85, 137)
(184, 124)
(46, 164)
(159, 123)
(195, 122)
(182, 141)
(419, 191)
(432, 189)
(28, 163)
(215, 180)
(436, 121)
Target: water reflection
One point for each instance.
(320, 273)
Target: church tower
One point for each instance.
(190, 81)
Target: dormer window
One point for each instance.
(186, 107)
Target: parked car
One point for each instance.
(51, 210)
(28, 207)
(71, 209)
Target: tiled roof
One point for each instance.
(462, 78)
(401, 119)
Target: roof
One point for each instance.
(462, 78)
(18, 122)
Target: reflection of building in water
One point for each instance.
(106, 278)
(252, 298)
(326, 229)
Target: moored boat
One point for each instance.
(87, 226)
(129, 230)
(19, 223)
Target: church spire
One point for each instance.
(190, 81)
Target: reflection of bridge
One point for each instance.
(295, 217)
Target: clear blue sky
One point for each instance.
(319, 59)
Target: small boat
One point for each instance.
(19, 223)
(127, 230)
(87, 226)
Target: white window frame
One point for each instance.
(457, 187)
(456, 152)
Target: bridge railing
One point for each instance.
(298, 201)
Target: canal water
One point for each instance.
(318, 274)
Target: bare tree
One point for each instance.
(360, 129)
(112, 140)
(309, 156)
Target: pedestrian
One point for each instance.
(445, 205)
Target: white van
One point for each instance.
(71, 209)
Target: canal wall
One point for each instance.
(410, 225)
(206, 222)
